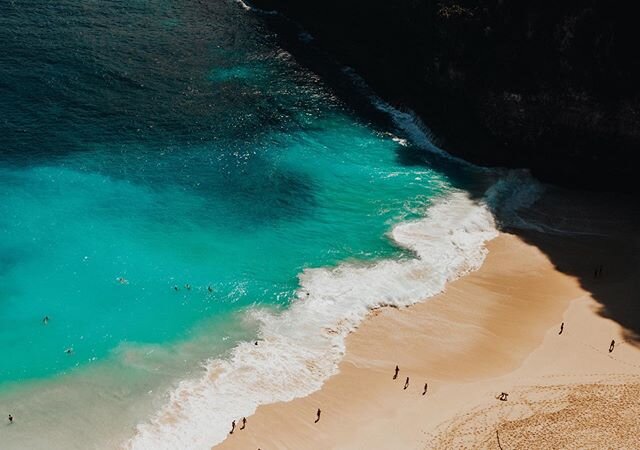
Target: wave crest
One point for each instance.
(302, 346)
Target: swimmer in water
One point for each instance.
(187, 286)
(45, 320)
(69, 351)
(122, 280)
(176, 288)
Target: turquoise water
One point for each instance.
(168, 144)
(241, 225)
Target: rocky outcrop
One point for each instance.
(552, 86)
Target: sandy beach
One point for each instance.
(493, 331)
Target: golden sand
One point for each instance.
(495, 330)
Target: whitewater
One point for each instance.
(299, 348)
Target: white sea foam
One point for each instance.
(246, 7)
(514, 191)
(302, 346)
(407, 121)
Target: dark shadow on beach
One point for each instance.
(578, 231)
(592, 237)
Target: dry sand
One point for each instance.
(495, 330)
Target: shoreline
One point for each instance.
(302, 346)
(494, 330)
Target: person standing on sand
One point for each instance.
(561, 328)
(244, 423)
(318, 415)
(10, 418)
(613, 344)
(425, 388)
(395, 375)
(233, 427)
(406, 383)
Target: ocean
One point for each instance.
(201, 220)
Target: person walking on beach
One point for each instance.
(318, 415)
(503, 396)
(10, 418)
(613, 344)
(561, 328)
(233, 427)
(406, 384)
(395, 375)
(426, 385)
(244, 423)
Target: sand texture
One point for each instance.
(495, 330)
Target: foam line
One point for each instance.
(302, 346)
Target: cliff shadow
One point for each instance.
(592, 237)
(578, 231)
